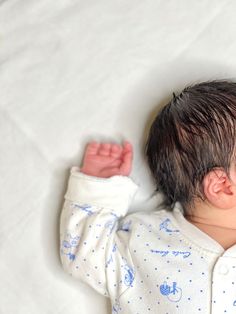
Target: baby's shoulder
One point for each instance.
(161, 217)
(145, 228)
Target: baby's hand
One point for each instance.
(107, 160)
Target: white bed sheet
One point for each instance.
(71, 71)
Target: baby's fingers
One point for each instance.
(126, 165)
(104, 149)
(92, 148)
(116, 150)
(127, 147)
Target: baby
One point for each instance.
(182, 257)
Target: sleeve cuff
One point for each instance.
(115, 193)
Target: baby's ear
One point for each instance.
(218, 189)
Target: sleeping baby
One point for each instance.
(180, 258)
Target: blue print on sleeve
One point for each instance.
(110, 259)
(73, 241)
(84, 208)
(165, 226)
(68, 244)
(116, 308)
(110, 224)
(128, 275)
(126, 226)
(173, 293)
(71, 256)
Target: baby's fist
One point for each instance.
(106, 160)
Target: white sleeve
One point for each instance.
(93, 245)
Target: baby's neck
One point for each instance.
(219, 224)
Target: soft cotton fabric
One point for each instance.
(145, 262)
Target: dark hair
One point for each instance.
(193, 134)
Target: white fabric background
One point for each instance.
(71, 71)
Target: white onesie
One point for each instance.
(144, 262)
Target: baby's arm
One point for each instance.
(97, 197)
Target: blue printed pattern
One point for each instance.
(166, 226)
(172, 292)
(111, 223)
(164, 266)
(68, 244)
(163, 253)
(85, 208)
(126, 226)
(128, 275)
(116, 307)
(111, 259)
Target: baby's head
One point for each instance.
(193, 136)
